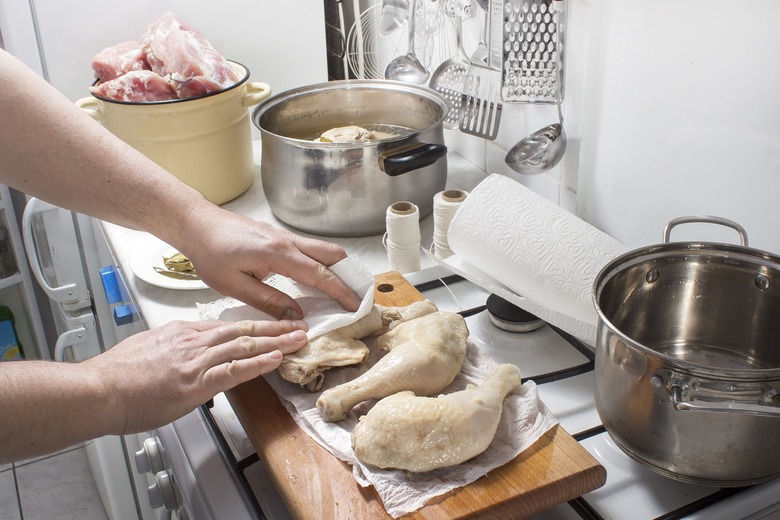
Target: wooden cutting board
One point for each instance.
(316, 485)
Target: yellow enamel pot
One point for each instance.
(206, 141)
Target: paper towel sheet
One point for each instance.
(523, 421)
(321, 312)
(540, 255)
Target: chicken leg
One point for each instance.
(425, 354)
(342, 346)
(420, 434)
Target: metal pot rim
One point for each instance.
(347, 84)
(722, 251)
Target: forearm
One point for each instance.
(42, 132)
(46, 406)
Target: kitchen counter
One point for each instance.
(160, 305)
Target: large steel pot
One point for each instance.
(688, 358)
(206, 141)
(344, 189)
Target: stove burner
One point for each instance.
(507, 316)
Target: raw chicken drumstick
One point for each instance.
(420, 434)
(343, 347)
(425, 354)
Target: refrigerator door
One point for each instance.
(78, 338)
(53, 250)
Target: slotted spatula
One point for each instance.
(480, 111)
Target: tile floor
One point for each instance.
(58, 486)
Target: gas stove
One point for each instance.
(563, 369)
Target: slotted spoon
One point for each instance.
(449, 78)
(480, 111)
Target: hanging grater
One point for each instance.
(533, 51)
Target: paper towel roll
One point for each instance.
(535, 249)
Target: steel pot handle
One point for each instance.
(708, 220)
(721, 406)
(405, 159)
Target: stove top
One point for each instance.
(562, 368)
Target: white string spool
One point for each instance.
(402, 239)
(445, 204)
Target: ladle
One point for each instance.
(407, 67)
(540, 151)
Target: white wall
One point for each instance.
(682, 117)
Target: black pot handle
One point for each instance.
(402, 160)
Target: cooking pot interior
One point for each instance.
(393, 111)
(704, 308)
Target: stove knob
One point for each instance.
(163, 492)
(149, 459)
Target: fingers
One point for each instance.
(252, 348)
(306, 267)
(264, 297)
(247, 339)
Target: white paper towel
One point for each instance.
(532, 252)
(321, 312)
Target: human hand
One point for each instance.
(233, 254)
(161, 374)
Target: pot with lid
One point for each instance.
(688, 358)
(345, 188)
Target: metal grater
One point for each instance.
(533, 51)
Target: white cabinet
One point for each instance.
(17, 291)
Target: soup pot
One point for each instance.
(688, 358)
(205, 141)
(344, 189)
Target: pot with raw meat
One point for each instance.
(204, 141)
(172, 96)
(687, 358)
(337, 154)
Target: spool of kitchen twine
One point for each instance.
(402, 239)
(445, 204)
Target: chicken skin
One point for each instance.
(425, 354)
(418, 434)
(343, 346)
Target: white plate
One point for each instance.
(148, 255)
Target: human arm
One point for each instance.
(52, 150)
(145, 381)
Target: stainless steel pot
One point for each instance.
(688, 358)
(344, 189)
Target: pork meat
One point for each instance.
(119, 59)
(136, 86)
(185, 58)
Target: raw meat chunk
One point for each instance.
(184, 57)
(119, 59)
(137, 86)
